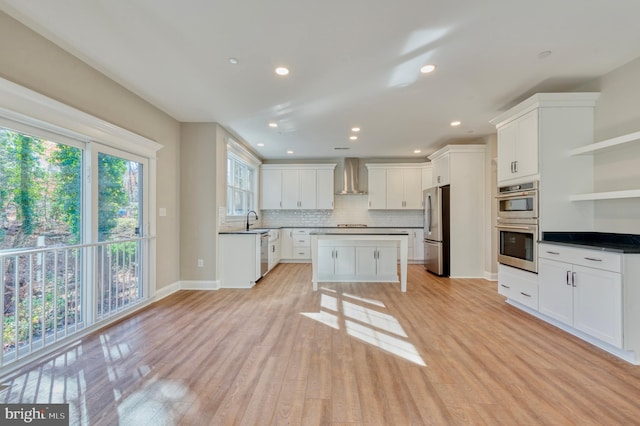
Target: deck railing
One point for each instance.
(51, 293)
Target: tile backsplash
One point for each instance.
(347, 209)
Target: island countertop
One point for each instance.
(358, 231)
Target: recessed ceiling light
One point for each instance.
(456, 123)
(416, 151)
(426, 69)
(260, 144)
(289, 152)
(282, 71)
(355, 129)
(273, 124)
(353, 138)
(233, 61)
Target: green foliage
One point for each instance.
(21, 177)
(68, 188)
(111, 193)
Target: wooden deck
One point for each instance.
(446, 352)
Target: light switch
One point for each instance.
(162, 211)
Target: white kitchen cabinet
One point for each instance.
(286, 243)
(274, 248)
(301, 244)
(534, 140)
(518, 148)
(518, 285)
(588, 299)
(427, 176)
(441, 168)
(299, 189)
(395, 186)
(325, 189)
(377, 262)
(377, 192)
(271, 189)
(297, 186)
(465, 167)
(240, 260)
(336, 262)
(404, 188)
(418, 245)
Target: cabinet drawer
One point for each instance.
(296, 232)
(301, 253)
(604, 260)
(302, 241)
(518, 285)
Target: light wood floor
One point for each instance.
(446, 352)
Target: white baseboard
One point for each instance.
(166, 291)
(491, 276)
(200, 285)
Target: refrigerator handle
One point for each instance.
(430, 211)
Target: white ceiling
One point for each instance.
(353, 62)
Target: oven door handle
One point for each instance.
(516, 194)
(525, 228)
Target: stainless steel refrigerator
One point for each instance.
(436, 230)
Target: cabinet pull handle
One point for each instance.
(515, 166)
(568, 273)
(505, 286)
(525, 294)
(573, 279)
(553, 252)
(593, 259)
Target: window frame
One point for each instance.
(240, 155)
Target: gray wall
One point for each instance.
(617, 113)
(34, 62)
(198, 201)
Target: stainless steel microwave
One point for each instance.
(518, 202)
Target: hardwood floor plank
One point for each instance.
(446, 352)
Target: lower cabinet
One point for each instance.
(336, 261)
(587, 299)
(357, 261)
(240, 261)
(379, 263)
(295, 244)
(518, 285)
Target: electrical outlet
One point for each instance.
(200, 263)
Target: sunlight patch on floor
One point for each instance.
(365, 323)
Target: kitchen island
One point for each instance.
(359, 255)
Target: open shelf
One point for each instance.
(611, 195)
(606, 144)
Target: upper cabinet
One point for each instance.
(297, 186)
(518, 148)
(441, 169)
(535, 139)
(395, 186)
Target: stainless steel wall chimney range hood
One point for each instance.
(350, 174)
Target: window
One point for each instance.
(241, 186)
(76, 240)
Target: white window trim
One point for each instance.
(26, 110)
(245, 155)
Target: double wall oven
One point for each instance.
(518, 226)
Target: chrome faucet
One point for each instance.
(251, 211)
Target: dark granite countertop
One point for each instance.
(357, 231)
(605, 241)
(243, 232)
